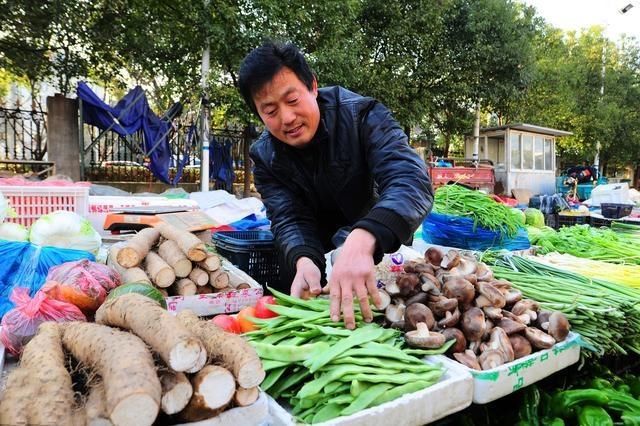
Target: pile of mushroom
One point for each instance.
(453, 296)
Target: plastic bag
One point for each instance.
(65, 229)
(20, 324)
(26, 265)
(460, 232)
(82, 283)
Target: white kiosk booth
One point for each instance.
(523, 155)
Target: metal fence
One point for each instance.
(23, 141)
(111, 157)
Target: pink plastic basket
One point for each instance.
(31, 202)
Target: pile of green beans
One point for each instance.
(457, 200)
(323, 370)
(605, 314)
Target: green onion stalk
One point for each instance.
(605, 314)
(590, 243)
(457, 200)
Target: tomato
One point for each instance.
(227, 323)
(262, 310)
(244, 319)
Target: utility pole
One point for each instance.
(596, 159)
(204, 117)
(476, 136)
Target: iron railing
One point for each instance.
(107, 156)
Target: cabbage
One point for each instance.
(534, 217)
(519, 214)
(5, 209)
(65, 230)
(13, 232)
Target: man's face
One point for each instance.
(288, 109)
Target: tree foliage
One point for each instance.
(430, 62)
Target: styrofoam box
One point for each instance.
(254, 414)
(219, 303)
(451, 394)
(489, 385)
(617, 193)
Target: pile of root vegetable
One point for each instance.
(143, 363)
(176, 262)
(453, 296)
(322, 370)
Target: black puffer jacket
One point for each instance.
(358, 171)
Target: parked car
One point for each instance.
(120, 163)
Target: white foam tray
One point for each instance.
(254, 414)
(451, 394)
(489, 385)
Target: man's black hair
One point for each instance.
(264, 62)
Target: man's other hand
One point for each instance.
(354, 273)
(306, 283)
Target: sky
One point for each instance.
(577, 14)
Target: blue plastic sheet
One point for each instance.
(459, 232)
(26, 265)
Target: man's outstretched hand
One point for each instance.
(354, 273)
(306, 283)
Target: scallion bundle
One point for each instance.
(607, 315)
(457, 200)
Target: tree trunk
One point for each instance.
(447, 143)
(407, 131)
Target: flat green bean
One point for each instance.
(327, 412)
(400, 378)
(358, 337)
(272, 378)
(398, 391)
(289, 353)
(366, 398)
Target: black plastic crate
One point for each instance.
(252, 251)
(615, 211)
(570, 220)
(600, 222)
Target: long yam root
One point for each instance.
(131, 385)
(244, 397)
(160, 272)
(213, 389)
(199, 276)
(176, 391)
(172, 254)
(178, 347)
(185, 287)
(190, 245)
(16, 399)
(219, 279)
(211, 263)
(95, 407)
(46, 387)
(137, 247)
(127, 275)
(233, 351)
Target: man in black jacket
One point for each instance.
(333, 169)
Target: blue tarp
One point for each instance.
(131, 114)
